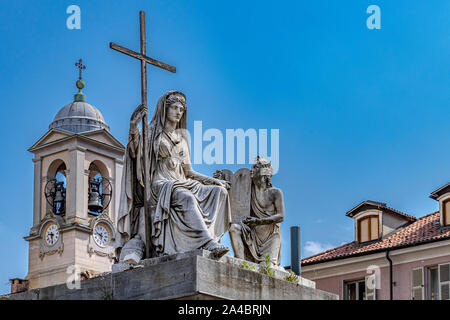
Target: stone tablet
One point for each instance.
(240, 193)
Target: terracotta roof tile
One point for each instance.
(424, 229)
(409, 217)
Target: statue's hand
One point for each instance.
(217, 182)
(222, 183)
(218, 174)
(137, 115)
(252, 221)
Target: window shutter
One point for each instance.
(371, 287)
(444, 281)
(364, 230)
(374, 228)
(417, 287)
(445, 291)
(446, 212)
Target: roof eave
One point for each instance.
(437, 193)
(376, 251)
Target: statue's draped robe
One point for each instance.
(262, 239)
(185, 214)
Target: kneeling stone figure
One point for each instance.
(259, 234)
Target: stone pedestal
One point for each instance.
(191, 275)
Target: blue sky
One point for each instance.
(363, 114)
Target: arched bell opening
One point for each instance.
(55, 188)
(99, 188)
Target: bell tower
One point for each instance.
(77, 171)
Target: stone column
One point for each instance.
(118, 170)
(37, 192)
(86, 193)
(76, 189)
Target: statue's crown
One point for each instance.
(263, 165)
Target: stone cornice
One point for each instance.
(82, 137)
(119, 161)
(74, 226)
(79, 141)
(77, 147)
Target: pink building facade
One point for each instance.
(394, 256)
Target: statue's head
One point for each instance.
(261, 172)
(175, 106)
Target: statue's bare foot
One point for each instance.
(217, 249)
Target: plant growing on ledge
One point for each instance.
(246, 266)
(292, 277)
(267, 269)
(106, 293)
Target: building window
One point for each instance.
(433, 283)
(446, 212)
(355, 290)
(437, 283)
(444, 281)
(368, 229)
(417, 284)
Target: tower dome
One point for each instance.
(79, 116)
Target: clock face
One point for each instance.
(51, 234)
(101, 235)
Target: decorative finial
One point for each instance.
(80, 83)
(81, 67)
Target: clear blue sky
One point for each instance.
(363, 114)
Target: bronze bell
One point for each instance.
(60, 196)
(94, 202)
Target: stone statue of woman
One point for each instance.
(189, 210)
